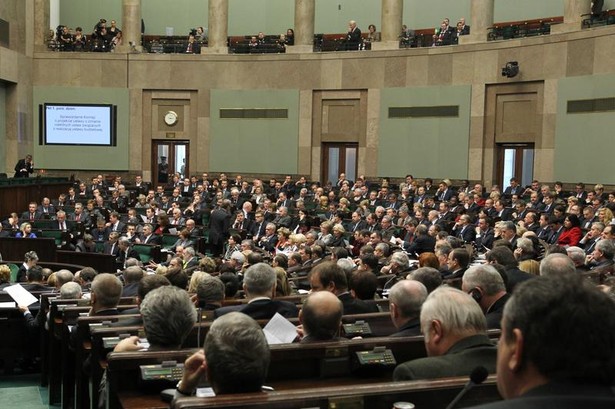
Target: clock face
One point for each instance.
(170, 118)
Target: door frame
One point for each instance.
(170, 158)
(499, 161)
(342, 165)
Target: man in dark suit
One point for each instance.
(464, 230)
(24, 167)
(513, 189)
(465, 29)
(356, 224)
(125, 251)
(485, 235)
(80, 215)
(259, 284)
(486, 285)
(148, 236)
(32, 213)
(328, 276)
(353, 39)
(455, 338)
(405, 301)
(46, 208)
(504, 213)
(219, 223)
(321, 317)
(444, 193)
(132, 276)
(269, 239)
(457, 263)
(111, 246)
(105, 295)
(421, 243)
(114, 223)
(257, 229)
(537, 366)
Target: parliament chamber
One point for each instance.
(315, 110)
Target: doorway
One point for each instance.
(169, 158)
(515, 160)
(339, 158)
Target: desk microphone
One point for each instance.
(478, 376)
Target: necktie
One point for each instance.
(78, 217)
(63, 226)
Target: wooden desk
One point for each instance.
(432, 394)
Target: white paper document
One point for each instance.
(20, 295)
(279, 330)
(173, 230)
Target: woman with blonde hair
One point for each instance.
(283, 245)
(338, 236)
(25, 231)
(605, 215)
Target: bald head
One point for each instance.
(106, 291)
(407, 297)
(321, 315)
(557, 264)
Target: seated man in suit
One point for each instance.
(105, 295)
(148, 236)
(259, 284)
(554, 353)
(235, 358)
(456, 339)
(32, 213)
(328, 276)
(132, 276)
(405, 301)
(125, 251)
(458, 261)
(168, 316)
(209, 293)
(487, 287)
(321, 317)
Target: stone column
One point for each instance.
(392, 17)
(131, 26)
(40, 24)
(573, 10)
(218, 28)
(482, 19)
(304, 27)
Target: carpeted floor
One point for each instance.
(23, 392)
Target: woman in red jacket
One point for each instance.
(572, 233)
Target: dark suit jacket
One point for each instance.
(467, 234)
(262, 309)
(459, 360)
(26, 215)
(485, 240)
(559, 396)
(154, 239)
(130, 290)
(409, 329)
(21, 164)
(122, 256)
(219, 223)
(514, 277)
(355, 306)
(421, 244)
(353, 39)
